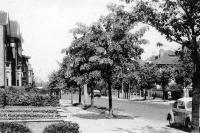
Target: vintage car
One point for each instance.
(181, 112)
(97, 93)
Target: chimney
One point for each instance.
(161, 52)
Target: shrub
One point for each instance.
(63, 127)
(11, 127)
(22, 97)
(2, 97)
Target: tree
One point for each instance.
(117, 45)
(147, 74)
(56, 82)
(105, 46)
(184, 71)
(82, 49)
(178, 21)
(163, 78)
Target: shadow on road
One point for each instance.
(146, 129)
(103, 116)
(178, 127)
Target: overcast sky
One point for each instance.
(45, 26)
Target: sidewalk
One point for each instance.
(91, 122)
(141, 99)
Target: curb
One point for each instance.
(161, 102)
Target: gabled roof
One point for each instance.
(167, 60)
(167, 57)
(151, 58)
(3, 18)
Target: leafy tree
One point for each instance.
(184, 71)
(56, 82)
(82, 49)
(115, 44)
(148, 76)
(164, 75)
(178, 21)
(106, 46)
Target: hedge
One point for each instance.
(63, 127)
(2, 96)
(21, 97)
(11, 127)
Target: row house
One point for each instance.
(14, 67)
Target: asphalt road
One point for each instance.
(150, 111)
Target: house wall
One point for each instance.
(2, 62)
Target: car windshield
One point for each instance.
(181, 105)
(189, 104)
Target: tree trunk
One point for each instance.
(196, 100)
(110, 98)
(122, 89)
(163, 89)
(79, 100)
(92, 97)
(145, 94)
(118, 93)
(85, 94)
(71, 97)
(129, 90)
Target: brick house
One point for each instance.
(11, 57)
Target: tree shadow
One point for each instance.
(146, 129)
(103, 116)
(178, 127)
(123, 130)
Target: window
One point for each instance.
(17, 82)
(181, 105)
(7, 82)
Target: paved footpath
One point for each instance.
(89, 122)
(140, 99)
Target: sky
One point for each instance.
(45, 26)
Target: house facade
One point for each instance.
(13, 64)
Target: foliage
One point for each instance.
(148, 76)
(21, 97)
(184, 72)
(2, 97)
(57, 80)
(11, 127)
(104, 47)
(164, 75)
(63, 127)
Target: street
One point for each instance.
(146, 110)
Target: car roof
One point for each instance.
(185, 99)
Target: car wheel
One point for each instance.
(188, 124)
(169, 118)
